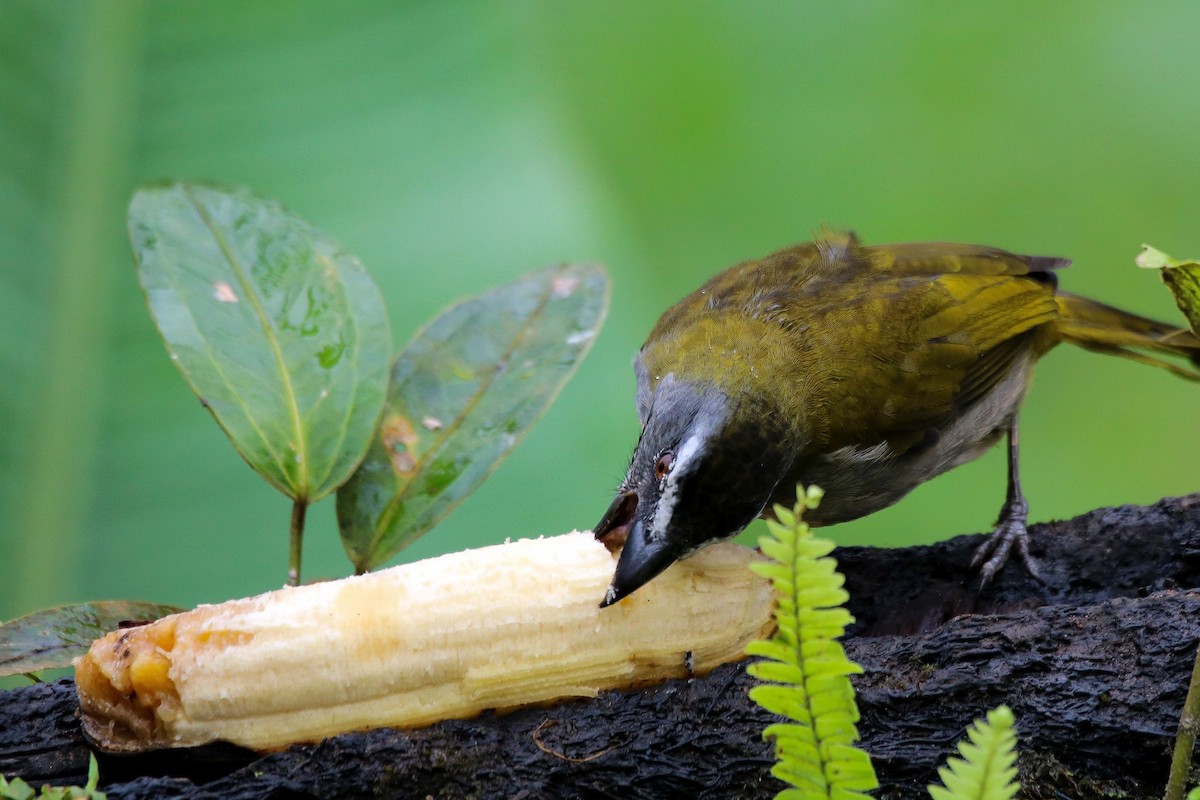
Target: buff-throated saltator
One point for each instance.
(863, 370)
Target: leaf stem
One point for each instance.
(1185, 739)
(299, 509)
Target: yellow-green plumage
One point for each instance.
(865, 370)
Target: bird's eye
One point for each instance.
(663, 465)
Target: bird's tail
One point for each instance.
(1105, 329)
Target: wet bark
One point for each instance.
(1094, 663)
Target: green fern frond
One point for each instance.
(805, 669)
(987, 769)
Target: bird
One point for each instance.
(864, 370)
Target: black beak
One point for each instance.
(613, 527)
(641, 559)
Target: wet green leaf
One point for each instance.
(280, 332)
(17, 789)
(51, 638)
(462, 394)
(1182, 277)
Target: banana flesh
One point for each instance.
(494, 628)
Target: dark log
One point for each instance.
(1094, 663)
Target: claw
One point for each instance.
(1011, 530)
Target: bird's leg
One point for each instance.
(1010, 527)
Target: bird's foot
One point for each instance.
(1011, 532)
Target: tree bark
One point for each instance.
(1094, 663)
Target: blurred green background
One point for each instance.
(456, 145)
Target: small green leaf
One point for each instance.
(462, 394)
(1182, 277)
(1153, 258)
(280, 332)
(987, 767)
(51, 638)
(18, 789)
(93, 779)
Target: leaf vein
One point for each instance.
(389, 513)
(239, 271)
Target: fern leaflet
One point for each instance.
(987, 769)
(806, 670)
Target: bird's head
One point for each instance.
(705, 466)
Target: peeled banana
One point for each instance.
(493, 628)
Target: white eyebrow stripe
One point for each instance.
(670, 496)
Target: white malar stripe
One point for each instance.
(670, 496)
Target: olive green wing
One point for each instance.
(887, 342)
(917, 349)
(945, 258)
